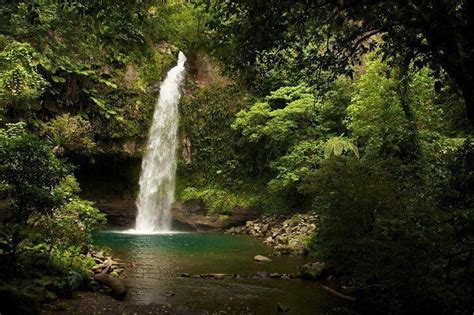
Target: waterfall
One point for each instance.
(157, 178)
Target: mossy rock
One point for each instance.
(313, 271)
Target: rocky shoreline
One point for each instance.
(103, 278)
(105, 275)
(288, 235)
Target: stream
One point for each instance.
(156, 262)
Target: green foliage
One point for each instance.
(377, 117)
(281, 117)
(70, 133)
(289, 129)
(44, 225)
(96, 62)
(337, 146)
(377, 202)
(365, 232)
(205, 122)
(277, 67)
(218, 200)
(292, 168)
(20, 80)
(322, 35)
(29, 174)
(181, 23)
(254, 43)
(71, 225)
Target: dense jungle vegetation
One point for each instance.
(361, 111)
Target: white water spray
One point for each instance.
(157, 179)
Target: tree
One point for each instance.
(29, 177)
(291, 131)
(437, 32)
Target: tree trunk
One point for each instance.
(411, 147)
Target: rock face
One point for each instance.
(119, 212)
(189, 216)
(193, 216)
(288, 235)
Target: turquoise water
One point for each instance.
(156, 261)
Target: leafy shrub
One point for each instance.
(386, 121)
(289, 133)
(44, 218)
(381, 226)
(20, 80)
(218, 200)
(71, 133)
(205, 122)
(30, 174)
(70, 225)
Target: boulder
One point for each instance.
(313, 271)
(260, 258)
(217, 275)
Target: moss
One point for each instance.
(218, 200)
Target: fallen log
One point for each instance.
(119, 291)
(339, 294)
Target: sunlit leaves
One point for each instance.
(337, 146)
(288, 114)
(20, 80)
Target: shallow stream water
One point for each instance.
(156, 261)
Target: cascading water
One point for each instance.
(157, 179)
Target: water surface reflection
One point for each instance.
(157, 260)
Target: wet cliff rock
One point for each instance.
(194, 216)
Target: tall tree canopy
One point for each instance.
(335, 34)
